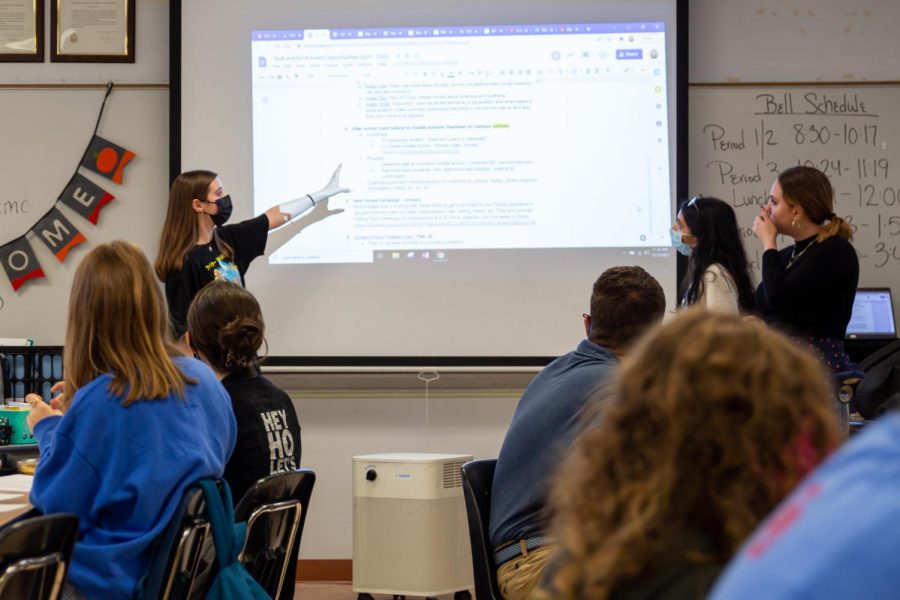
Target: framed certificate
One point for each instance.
(92, 31)
(21, 31)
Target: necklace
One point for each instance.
(795, 255)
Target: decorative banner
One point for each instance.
(19, 262)
(81, 195)
(86, 198)
(58, 233)
(106, 158)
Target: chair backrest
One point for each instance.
(477, 479)
(275, 509)
(35, 555)
(183, 551)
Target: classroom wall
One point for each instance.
(343, 415)
(47, 114)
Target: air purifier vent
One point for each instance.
(452, 476)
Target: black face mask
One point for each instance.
(221, 217)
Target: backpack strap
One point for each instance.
(221, 519)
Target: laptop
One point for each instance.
(873, 315)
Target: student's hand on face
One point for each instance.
(764, 229)
(40, 410)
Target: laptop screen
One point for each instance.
(873, 315)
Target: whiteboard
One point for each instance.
(741, 137)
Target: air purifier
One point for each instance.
(410, 533)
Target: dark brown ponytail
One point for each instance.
(225, 325)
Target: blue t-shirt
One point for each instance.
(543, 427)
(836, 536)
(124, 469)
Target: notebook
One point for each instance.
(873, 315)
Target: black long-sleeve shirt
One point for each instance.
(812, 297)
(268, 431)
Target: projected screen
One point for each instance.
(499, 158)
(524, 136)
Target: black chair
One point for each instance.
(35, 555)
(845, 384)
(183, 556)
(275, 509)
(477, 479)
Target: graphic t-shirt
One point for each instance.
(206, 262)
(268, 437)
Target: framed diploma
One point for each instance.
(21, 31)
(91, 30)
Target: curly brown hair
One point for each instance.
(710, 422)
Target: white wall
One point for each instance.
(788, 40)
(339, 425)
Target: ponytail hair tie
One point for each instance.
(831, 216)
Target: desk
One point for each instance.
(10, 515)
(14, 495)
(21, 450)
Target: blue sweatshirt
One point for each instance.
(123, 471)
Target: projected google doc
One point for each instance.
(489, 137)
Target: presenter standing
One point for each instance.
(807, 288)
(197, 246)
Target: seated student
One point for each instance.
(140, 423)
(625, 301)
(836, 536)
(710, 422)
(226, 330)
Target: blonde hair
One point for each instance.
(811, 189)
(118, 324)
(712, 420)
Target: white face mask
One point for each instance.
(679, 244)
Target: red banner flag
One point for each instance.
(106, 158)
(19, 262)
(86, 198)
(58, 233)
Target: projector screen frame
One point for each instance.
(681, 192)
